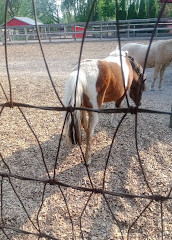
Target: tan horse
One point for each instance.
(99, 81)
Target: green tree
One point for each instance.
(94, 15)
(137, 5)
(26, 9)
(78, 10)
(2, 11)
(47, 11)
(13, 7)
(153, 8)
(82, 10)
(122, 10)
(132, 12)
(142, 10)
(168, 10)
(108, 9)
(69, 9)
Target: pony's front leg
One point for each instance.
(93, 120)
(114, 116)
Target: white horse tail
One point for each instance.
(73, 121)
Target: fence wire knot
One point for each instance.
(133, 110)
(158, 198)
(70, 109)
(52, 182)
(97, 190)
(9, 104)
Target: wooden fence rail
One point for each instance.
(129, 29)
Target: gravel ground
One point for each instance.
(21, 152)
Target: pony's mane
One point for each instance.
(139, 70)
(136, 66)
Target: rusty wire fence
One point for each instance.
(9, 230)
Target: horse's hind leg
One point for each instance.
(114, 119)
(93, 120)
(156, 71)
(161, 77)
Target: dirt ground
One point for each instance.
(30, 205)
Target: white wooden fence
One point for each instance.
(138, 28)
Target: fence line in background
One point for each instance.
(129, 29)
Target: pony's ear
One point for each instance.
(126, 53)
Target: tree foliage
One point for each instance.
(168, 10)
(2, 10)
(47, 10)
(108, 9)
(132, 12)
(137, 5)
(68, 8)
(123, 10)
(153, 8)
(142, 10)
(78, 10)
(14, 6)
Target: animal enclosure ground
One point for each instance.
(20, 150)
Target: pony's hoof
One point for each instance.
(114, 124)
(86, 165)
(152, 89)
(160, 89)
(88, 162)
(113, 121)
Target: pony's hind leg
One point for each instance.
(93, 120)
(84, 120)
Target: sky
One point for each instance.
(58, 4)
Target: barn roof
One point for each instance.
(27, 20)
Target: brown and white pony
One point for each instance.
(99, 81)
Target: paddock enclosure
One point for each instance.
(32, 208)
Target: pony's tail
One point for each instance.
(73, 120)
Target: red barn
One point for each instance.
(22, 21)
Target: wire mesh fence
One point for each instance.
(39, 196)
